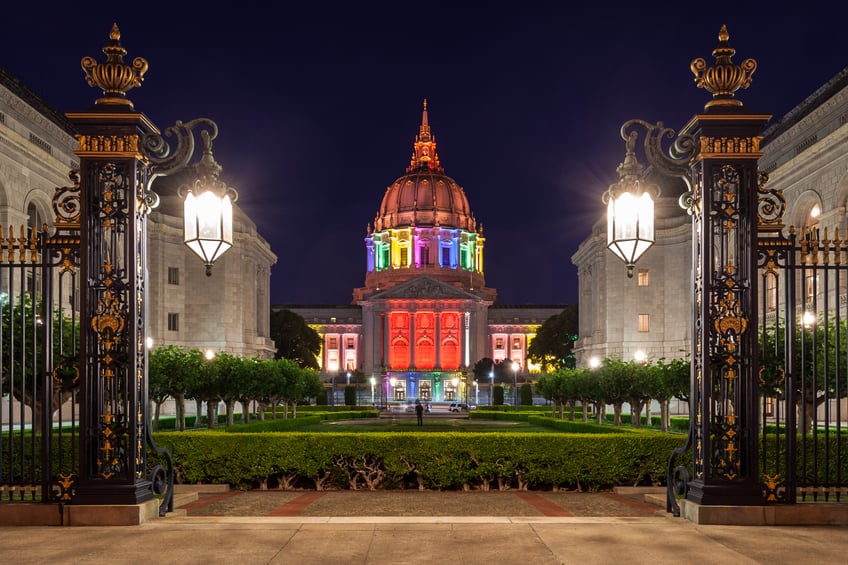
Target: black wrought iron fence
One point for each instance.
(803, 337)
(38, 360)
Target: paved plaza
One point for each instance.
(403, 527)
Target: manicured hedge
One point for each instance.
(443, 461)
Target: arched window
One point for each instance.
(425, 353)
(399, 353)
(450, 354)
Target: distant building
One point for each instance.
(805, 156)
(424, 315)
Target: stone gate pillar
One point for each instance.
(723, 204)
(113, 179)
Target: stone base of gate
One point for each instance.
(800, 514)
(38, 514)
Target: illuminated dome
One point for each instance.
(424, 226)
(425, 195)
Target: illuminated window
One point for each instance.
(771, 292)
(399, 353)
(465, 256)
(811, 284)
(404, 256)
(333, 343)
(350, 343)
(425, 354)
(446, 262)
(450, 354)
(643, 277)
(425, 255)
(516, 343)
(173, 322)
(499, 343)
(644, 322)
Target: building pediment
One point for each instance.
(426, 288)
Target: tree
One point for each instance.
(20, 337)
(554, 342)
(819, 361)
(171, 370)
(615, 381)
(294, 339)
(483, 368)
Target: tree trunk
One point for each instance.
(198, 418)
(665, 420)
(179, 400)
(636, 414)
(157, 410)
(648, 413)
(617, 411)
(571, 411)
(211, 416)
(230, 404)
(245, 411)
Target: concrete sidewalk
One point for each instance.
(410, 540)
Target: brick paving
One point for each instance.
(418, 503)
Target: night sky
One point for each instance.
(318, 108)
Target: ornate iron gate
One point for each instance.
(40, 384)
(803, 337)
(39, 356)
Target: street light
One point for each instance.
(333, 392)
(515, 384)
(491, 388)
(373, 382)
(716, 154)
(208, 201)
(455, 383)
(630, 208)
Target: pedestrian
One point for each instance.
(419, 411)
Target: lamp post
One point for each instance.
(515, 384)
(491, 388)
(455, 383)
(716, 153)
(333, 392)
(373, 382)
(120, 153)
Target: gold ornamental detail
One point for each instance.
(126, 145)
(724, 78)
(730, 321)
(733, 145)
(114, 76)
(108, 323)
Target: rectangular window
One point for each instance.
(771, 293)
(643, 277)
(332, 343)
(173, 322)
(446, 262)
(173, 275)
(644, 322)
(350, 343)
(499, 343)
(516, 343)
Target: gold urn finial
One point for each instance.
(724, 78)
(114, 76)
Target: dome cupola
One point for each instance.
(424, 226)
(425, 195)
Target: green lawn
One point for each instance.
(410, 425)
